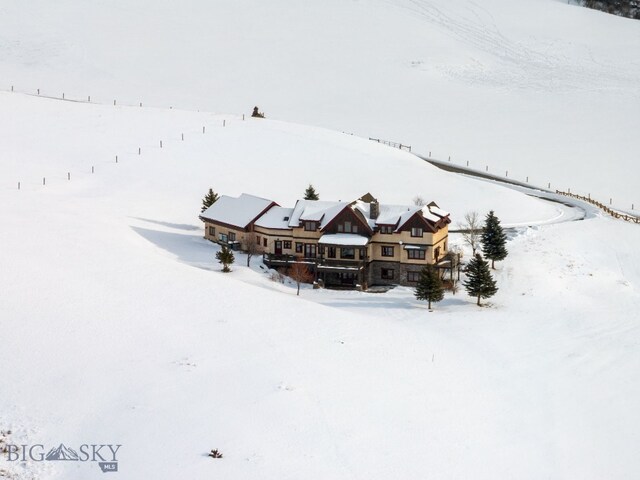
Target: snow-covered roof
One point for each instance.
(426, 213)
(343, 239)
(239, 212)
(316, 211)
(387, 215)
(275, 217)
(438, 211)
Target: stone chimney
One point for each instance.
(374, 209)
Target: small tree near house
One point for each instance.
(429, 286)
(493, 240)
(209, 199)
(479, 282)
(300, 273)
(225, 257)
(252, 247)
(311, 194)
(471, 230)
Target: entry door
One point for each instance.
(278, 247)
(310, 250)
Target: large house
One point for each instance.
(362, 242)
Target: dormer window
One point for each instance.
(285, 219)
(310, 226)
(386, 229)
(416, 232)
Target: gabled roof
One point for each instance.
(316, 211)
(238, 212)
(276, 217)
(388, 214)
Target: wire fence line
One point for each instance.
(42, 180)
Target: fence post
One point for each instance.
(183, 137)
(429, 153)
(139, 150)
(243, 117)
(467, 163)
(140, 103)
(224, 122)
(203, 129)
(610, 201)
(38, 91)
(68, 175)
(449, 157)
(160, 143)
(19, 187)
(89, 99)
(116, 158)
(63, 95)
(12, 88)
(487, 169)
(527, 179)
(92, 170)
(114, 102)
(44, 181)
(506, 174)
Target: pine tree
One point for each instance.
(311, 194)
(479, 282)
(225, 257)
(208, 200)
(493, 240)
(429, 286)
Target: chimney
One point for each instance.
(374, 209)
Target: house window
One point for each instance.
(321, 249)
(340, 228)
(264, 242)
(258, 241)
(347, 227)
(299, 247)
(387, 251)
(387, 273)
(413, 276)
(310, 250)
(232, 237)
(386, 229)
(354, 229)
(416, 254)
(223, 238)
(363, 253)
(347, 253)
(212, 232)
(416, 232)
(287, 244)
(331, 252)
(310, 226)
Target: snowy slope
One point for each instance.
(540, 88)
(267, 158)
(116, 325)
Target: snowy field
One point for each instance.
(116, 325)
(540, 88)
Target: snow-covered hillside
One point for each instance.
(540, 88)
(117, 326)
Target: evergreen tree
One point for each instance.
(493, 240)
(429, 286)
(209, 199)
(225, 257)
(479, 282)
(311, 194)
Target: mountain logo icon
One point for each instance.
(62, 452)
